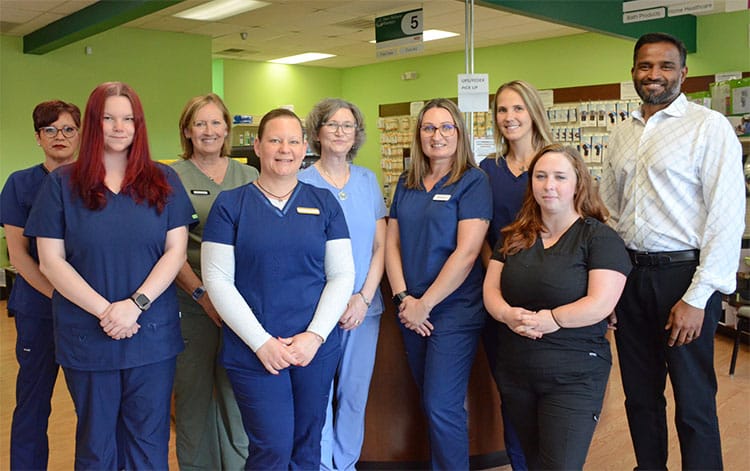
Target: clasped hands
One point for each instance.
(119, 319)
(414, 314)
(279, 353)
(531, 324)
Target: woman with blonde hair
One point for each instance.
(521, 130)
(208, 422)
(438, 220)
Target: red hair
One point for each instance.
(143, 181)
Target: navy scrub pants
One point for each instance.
(123, 416)
(284, 414)
(645, 361)
(441, 365)
(37, 373)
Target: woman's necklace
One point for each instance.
(205, 172)
(342, 193)
(278, 198)
(520, 167)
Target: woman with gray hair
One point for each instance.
(335, 129)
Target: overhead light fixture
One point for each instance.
(220, 9)
(432, 35)
(300, 58)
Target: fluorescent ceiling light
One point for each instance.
(432, 35)
(300, 58)
(220, 9)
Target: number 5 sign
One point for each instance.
(399, 33)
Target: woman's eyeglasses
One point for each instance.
(50, 132)
(346, 128)
(446, 129)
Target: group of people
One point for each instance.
(269, 342)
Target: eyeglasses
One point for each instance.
(346, 128)
(50, 132)
(446, 129)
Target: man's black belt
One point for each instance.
(651, 259)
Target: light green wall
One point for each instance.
(166, 69)
(257, 87)
(583, 59)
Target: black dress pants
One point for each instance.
(645, 359)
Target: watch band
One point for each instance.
(198, 293)
(399, 297)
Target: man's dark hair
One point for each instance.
(651, 38)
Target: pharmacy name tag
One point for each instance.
(441, 197)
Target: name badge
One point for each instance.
(441, 197)
(200, 192)
(312, 211)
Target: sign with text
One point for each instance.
(473, 92)
(399, 34)
(644, 15)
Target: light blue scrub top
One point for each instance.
(363, 207)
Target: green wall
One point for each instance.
(166, 69)
(583, 59)
(257, 87)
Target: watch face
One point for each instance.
(142, 301)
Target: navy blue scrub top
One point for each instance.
(508, 191)
(114, 249)
(279, 258)
(428, 231)
(16, 200)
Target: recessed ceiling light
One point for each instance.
(300, 58)
(220, 9)
(432, 35)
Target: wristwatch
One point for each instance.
(198, 293)
(141, 300)
(398, 297)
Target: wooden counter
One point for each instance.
(395, 426)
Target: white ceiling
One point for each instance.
(288, 27)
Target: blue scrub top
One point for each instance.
(428, 231)
(279, 259)
(114, 249)
(16, 200)
(508, 191)
(363, 207)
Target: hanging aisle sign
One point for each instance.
(399, 34)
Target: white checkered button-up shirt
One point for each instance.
(676, 183)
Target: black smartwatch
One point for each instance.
(198, 293)
(141, 300)
(398, 297)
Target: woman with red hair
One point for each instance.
(112, 233)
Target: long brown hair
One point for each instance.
(523, 232)
(143, 181)
(420, 164)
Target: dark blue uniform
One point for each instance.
(121, 388)
(35, 348)
(441, 363)
(280, 272)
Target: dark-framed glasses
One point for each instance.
(446, 129)
(346, 128)
(50, 132)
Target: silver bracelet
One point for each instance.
(364, 298)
